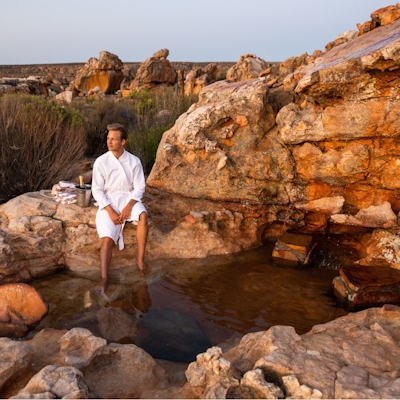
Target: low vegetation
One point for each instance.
(154, 113)
(43, 142)
(40, 143)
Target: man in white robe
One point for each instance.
(118, 185)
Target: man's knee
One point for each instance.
(107, 242)
(143, 218)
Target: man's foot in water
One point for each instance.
(101, 287)
(143, 268)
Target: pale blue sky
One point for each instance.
(57, 31)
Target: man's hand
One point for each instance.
(126, 212)
(115, 217)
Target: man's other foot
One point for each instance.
(101, 287)
(144, 269)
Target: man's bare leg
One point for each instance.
(141, 235)
(105, 260)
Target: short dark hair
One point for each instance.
(118, 127)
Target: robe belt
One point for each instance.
(117, 191)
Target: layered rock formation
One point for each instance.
(39, 236)
(337, 138)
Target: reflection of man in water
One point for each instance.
(144, 301)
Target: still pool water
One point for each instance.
(219, 297)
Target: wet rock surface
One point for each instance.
(366, 286)
(235, 372)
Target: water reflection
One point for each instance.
(214, 298)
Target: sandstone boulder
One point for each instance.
(105, 72)
(15, 359)
(66, 97)
(248, 67)
(128, 371)
(213, 374)
(368, 285)
(355, 356)
(78, 347)
(386, 15)
(380, 216)
(153, 72)
(381, 247)
(21, 307)
(54, 381)
(228, 120)
(344, 158)
(31, 240)
(197, 79)
(326, 205)
(381, 17)
(342, 38)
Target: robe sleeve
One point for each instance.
(98, 182)
(139, 183)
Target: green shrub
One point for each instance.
(156, 112)
(41, 143)
(221, 76)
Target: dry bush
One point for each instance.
(145, 114)
(40, 144)
(99, 113)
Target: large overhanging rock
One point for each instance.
(105, 72)
(220, 149)
(346, 70)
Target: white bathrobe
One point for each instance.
(115, 181)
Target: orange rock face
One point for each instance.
(105, 72)
(20, 307)
(337, 136)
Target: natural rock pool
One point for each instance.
(185, 306)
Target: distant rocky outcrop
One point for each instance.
(104, 72)
(381, 17)
(154, 72)
(198, 78)
(31, 85)
(248, 67)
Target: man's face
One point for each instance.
(114, 141)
